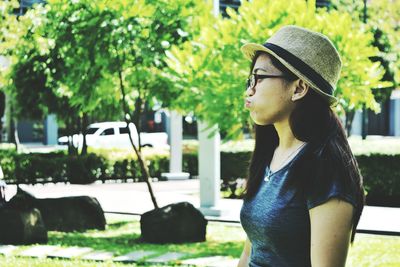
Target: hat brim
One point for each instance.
(250, 49)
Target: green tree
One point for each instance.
(109, 53)
(381, 18)
(44, 76)
(11, 30)
(77, 33)
(211, 71)
(27, 77)
(139, 36)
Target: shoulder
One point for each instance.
(333, 211)
(322, 177)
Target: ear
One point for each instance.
(300, 90)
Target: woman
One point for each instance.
(304, 192)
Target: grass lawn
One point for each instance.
(375, 251)
(123, 236)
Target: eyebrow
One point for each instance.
(257, 69)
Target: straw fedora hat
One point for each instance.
(311, 56)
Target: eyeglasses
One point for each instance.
(253, 78)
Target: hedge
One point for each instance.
(381, 173)
(36, 168)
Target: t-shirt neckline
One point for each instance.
(287, 165)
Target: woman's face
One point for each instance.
(269, 101)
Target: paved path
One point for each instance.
(143, 256)
(134, 198)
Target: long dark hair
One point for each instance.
(326, 158)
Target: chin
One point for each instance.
(259, 121)
(262, 123)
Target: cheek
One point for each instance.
(267, 99)
(268, 108)
(263, 110)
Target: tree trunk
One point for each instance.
(2, 111)
(136, 119)
(83, 128)
(72, 150)
(16, 138)
(14, 130)
(128, 120)
(144, 169)
(349, 120)
(9, 120)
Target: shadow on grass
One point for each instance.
(129, 241)
(116, 225)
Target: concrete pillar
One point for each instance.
(210, 161)
(394, 115)
(209, 169)
(175, 164)
(50, 130)
(356, 126)
(215, 8)
(175, 137)
(167, 124)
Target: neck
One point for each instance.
(287, 140)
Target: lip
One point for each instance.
(247, 103)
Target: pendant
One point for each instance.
(268, 175)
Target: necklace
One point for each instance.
(270, 173)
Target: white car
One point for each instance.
(115, 135)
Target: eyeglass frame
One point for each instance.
(260, 76)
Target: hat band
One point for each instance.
(302, 67)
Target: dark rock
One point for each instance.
(69, 214)
(21, 201)
(21, 227)
(66, 214)
(175, 223)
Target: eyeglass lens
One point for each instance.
(250, 81)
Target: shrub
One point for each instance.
(57, 167)
(7, 162)
(381, 178)
(121, 170)
(158, 165)
(84, 169)
(380, 171)
(381, 175)
(190, 163)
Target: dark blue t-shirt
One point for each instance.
(276, 220)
